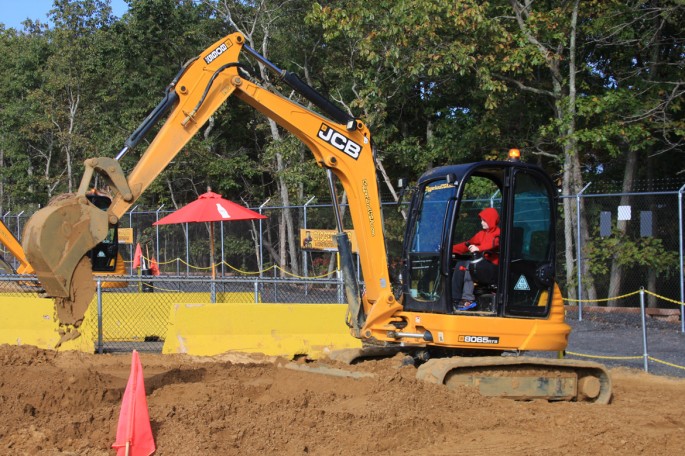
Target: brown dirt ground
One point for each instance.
(67, 403)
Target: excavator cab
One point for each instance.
(444, 211)
(104, 256)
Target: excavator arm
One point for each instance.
(58, 236)
(10, 242)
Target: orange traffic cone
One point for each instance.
(134, 434)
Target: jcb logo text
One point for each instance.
(339, 141)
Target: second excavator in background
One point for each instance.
(520, 310)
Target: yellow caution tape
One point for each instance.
(665, 298)
(602, 300)
(328, 274)
(582, 355)
(656, 360)
(665, 362)
(673, 301)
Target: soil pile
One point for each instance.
(234, 404)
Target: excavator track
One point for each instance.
(522, 378)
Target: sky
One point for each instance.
(14, 12)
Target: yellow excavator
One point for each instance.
(521, 310)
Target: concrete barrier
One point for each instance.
(31, 321)
(273, 329)
(201, 329)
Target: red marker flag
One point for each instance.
(137, 256)
(134, 434)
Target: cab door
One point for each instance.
(530, 239)
(424, 267)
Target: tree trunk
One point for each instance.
(565, 112)
(616, 273)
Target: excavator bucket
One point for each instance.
(55, 240)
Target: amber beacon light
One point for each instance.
(514, 154)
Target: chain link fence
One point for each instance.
(132, 312)
(631, 241)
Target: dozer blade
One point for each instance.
(522, 378)
(58, 236)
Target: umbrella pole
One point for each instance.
(211, 248)
(212, 297)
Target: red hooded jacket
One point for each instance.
(486, 240)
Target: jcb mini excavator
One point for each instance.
(522, 310)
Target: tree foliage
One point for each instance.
(583, 88)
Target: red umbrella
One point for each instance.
(210, 207)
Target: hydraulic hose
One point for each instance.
(307, 91)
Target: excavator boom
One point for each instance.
(58, 236)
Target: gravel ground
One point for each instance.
(603, 336)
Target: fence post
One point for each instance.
(223, 261)
(14, 260)
(579, 259)
(341, 293)
(680, 244)
(18, 227)
(157, 232)
(261, 240)
(305, 269)
(99, 296)
(645, 356)
(187, 251)
(130, 225)
(304, 252)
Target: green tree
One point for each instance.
(24, 53)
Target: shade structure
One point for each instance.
(210, 207)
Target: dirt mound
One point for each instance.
(68, 403)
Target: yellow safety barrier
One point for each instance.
(273, 329)
(137, 316)
(30, 321)
(188, 324)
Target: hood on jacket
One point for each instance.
(491, 217)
